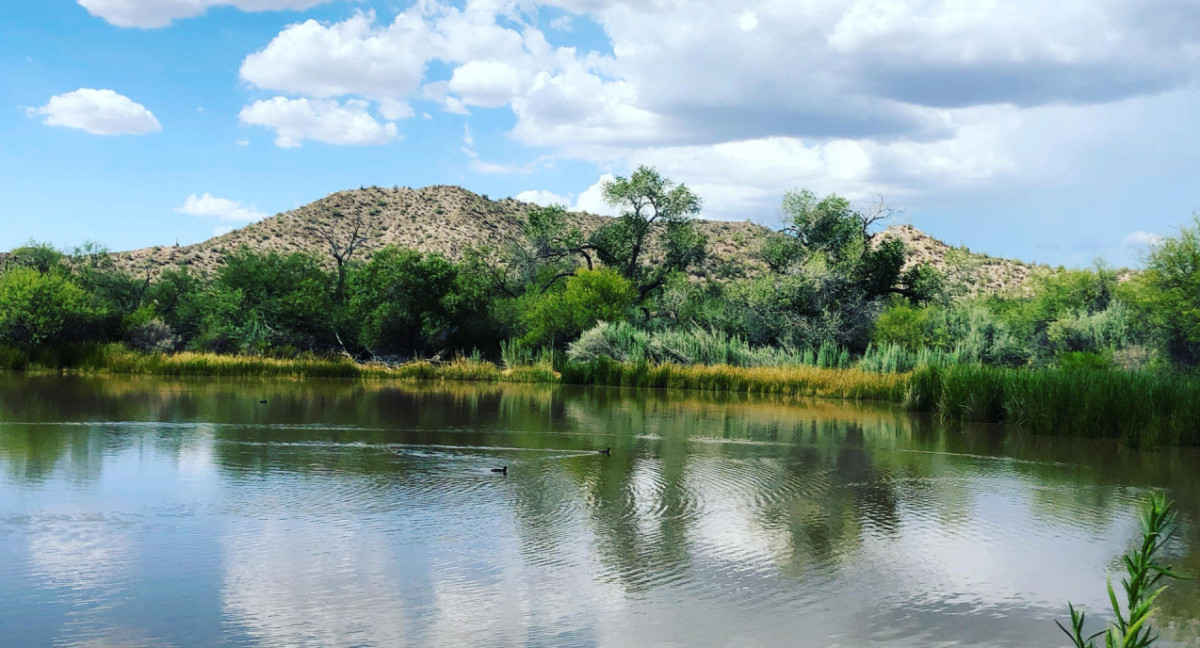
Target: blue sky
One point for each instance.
(1055, 132)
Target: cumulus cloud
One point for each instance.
(296, 120)
(223, 209)
(592, 199)
(740, 99)
(543, 198)
(589, 200)
(350, 57)
(99, 112)
(148, 14)
(1142, 239)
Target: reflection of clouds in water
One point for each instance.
(467, 610)
(85, 559)
(313, 584)
(494, 595)
(996, 555)
(116, 638)
(78, 553)
(196, 460)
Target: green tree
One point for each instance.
(404, 302)
(656, 216)
(912, 327)
(1168, 292)
(117, 292)
(38, 309)
(589, 296)
(179, 297)
(41, 257)
(832, 236)
(830, 276)
(261, 302)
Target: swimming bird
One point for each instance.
(606, 451)
(503, 470)
(262, 401)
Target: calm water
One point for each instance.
(186, 513)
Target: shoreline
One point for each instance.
(1141, 409)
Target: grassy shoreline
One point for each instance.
(1142, 409)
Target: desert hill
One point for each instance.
(443, 219)
(449, 220)
(972, 273)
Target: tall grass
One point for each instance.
(624, 342)
(1143, 408)
(116, 359)
(894, 358)
(789, 381)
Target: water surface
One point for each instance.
(148, 512)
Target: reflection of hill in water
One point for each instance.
(725, 499)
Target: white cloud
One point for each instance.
(747, 21)
(562, 23)
(482, 166)
(328, 121)
(391, 110)
(242, 142)
(489, 84)
(589, 200)
(349, 57)
(592, 198)
(468, 139)
(543, 198)
(99, 112)
(149, 14)
(223, 209)
(742, 100)
(1142, 239)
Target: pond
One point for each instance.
(155, 512)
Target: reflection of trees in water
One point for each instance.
(31, 454)
(816, 478)
(35, 453)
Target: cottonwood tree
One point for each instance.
(655, 213)
(829, 275)
(551, 250)
(831, 238)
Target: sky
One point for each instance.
(1059, 132)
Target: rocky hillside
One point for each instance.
(441, 219)
(449, 220)
(969, 273)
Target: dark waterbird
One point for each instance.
(262, 401)
(606, 451)
(503, 470)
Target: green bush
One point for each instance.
(589, 296)
(43, 309)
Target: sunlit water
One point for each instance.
(187, 513)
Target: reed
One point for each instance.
(116, 359)
(801, 381)
(1141, 408)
